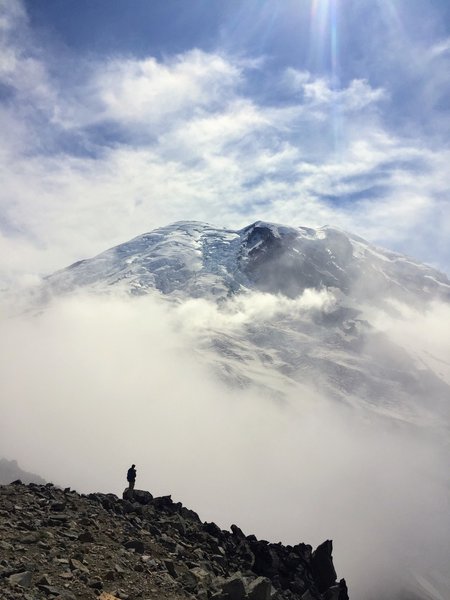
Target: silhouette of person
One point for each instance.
(131, 477)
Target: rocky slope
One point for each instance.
(56, 544)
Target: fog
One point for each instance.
(93, 384)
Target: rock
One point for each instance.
(86, 537)
(234, 587)
(170, 568)
(189, 581)
(141, 496)
(237, 532)
(259, 589)
(202, 576)
(76, 565)
(198, 557)
(136, 545)
(22, 579)
(322, 566)
(31, 538)
(52, 590)
(212, 529)
(95, 584)
(119, 569)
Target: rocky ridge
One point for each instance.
(57, 544)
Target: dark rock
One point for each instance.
(201, 559)
(237, 532)
(190, 515)
(163, 503)
(337, 592)
(189, 581)
(136, 545)
(95, 584)
(86, 537)
(170, 568)
(259, 589)
(51, 590)
(212, 529)
(140, 496)
(322, 567)
(234, 587)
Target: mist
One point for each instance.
(93, 384)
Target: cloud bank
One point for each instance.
(94, 384)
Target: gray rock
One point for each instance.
(22, 579)
(203, 576)
(76, 565)
(259, 589)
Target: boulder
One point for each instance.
(322, 567)
(140, 496)
(259, 589)
(234, 587)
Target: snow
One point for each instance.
(190, 259)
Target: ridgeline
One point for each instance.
(60, 545)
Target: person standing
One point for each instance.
(131, 477)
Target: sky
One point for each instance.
(120, 117)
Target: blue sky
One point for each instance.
(119, 117)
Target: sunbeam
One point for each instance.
(324, 55)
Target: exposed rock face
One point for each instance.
(58, 544)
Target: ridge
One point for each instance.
(63, 545)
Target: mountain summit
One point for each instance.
(199, 260)
(322, 292)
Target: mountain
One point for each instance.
(10, 471)
(198, 260)
(62, 545)
(322, 291)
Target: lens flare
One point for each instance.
(324, 53)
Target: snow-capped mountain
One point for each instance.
(323, 288)
(196, 259)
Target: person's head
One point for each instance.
(132, 466)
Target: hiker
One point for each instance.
(131, 477)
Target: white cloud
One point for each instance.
(314, 469)
(440, 48)
(194, 146)
(319, 91)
